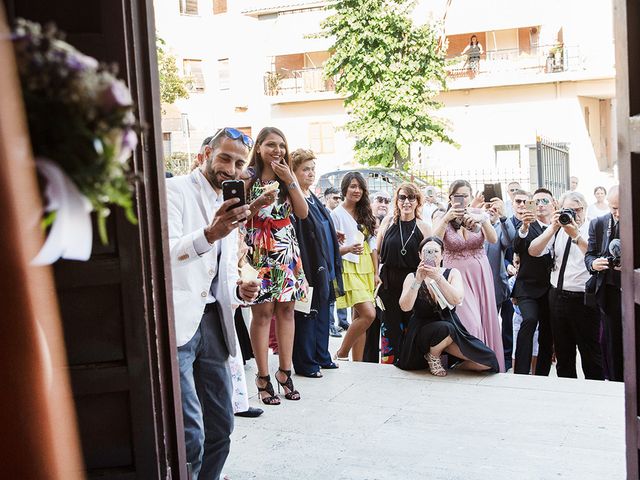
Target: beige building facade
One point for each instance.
(547, 70)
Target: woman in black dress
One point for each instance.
(434, 327)
(399, 240)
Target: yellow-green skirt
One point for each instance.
(358, 280)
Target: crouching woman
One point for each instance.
(434, 328)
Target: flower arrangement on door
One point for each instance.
(83, 132)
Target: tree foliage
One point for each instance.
(172, 85)
(390, 71)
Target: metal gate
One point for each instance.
(553, 165)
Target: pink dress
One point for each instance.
(478, 312)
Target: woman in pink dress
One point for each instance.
(464, 230)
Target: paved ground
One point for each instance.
(366, 422)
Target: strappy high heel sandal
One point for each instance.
(435, 365)
(290, 393)
(271, 398)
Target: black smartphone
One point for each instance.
(492, 190)
(234, 189)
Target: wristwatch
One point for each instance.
(415, 285)
(293, 185)
(576, 240)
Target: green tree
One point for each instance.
(390, 71)
(172, 85)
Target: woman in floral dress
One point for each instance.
(274, 252)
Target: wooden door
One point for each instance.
(116, 307)
(627, 36)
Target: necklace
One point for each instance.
(403, 250)
(309, 199)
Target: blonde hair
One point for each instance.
(300, 156)
(410, 189)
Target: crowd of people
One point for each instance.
(482, 284)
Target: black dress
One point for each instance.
(429, 325)
(395, 268)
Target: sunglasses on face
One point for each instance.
(404, 198)
(383, 200)
(234, 134)
(519, 201)
(543, 201)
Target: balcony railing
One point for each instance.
(538, 60)
(307, 80)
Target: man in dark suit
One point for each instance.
(531, 289)
(602, 232)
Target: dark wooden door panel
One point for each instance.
(116, 308)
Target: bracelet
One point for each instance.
(292, 186)
(416, 285)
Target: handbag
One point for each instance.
(590, 291)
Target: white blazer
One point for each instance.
(189, 211)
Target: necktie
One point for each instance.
(563, 266)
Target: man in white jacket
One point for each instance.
(205, 290)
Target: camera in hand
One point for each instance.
(566, 216)
(615, 253)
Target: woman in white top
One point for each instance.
(355, 220)
(601, 207)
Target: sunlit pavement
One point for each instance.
(367, 421)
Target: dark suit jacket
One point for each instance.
(534, 272)
(598, 246)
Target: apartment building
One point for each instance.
(547, 69)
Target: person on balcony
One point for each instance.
(473, 52)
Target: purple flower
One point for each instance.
(116, 95)
(129, 143)
(79, 62)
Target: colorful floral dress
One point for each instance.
(274, 251)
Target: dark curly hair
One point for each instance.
(364, 214)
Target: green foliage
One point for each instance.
(179, 163)
(390, 71)
(172, 85)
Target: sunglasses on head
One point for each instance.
(383, 200)
(234, 134)
(404, 198)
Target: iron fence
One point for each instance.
(552, 165)
(441, 178)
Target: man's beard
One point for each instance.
(216, 179)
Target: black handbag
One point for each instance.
(590, 291)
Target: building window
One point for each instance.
(321, 137)
(224, 74)
(507, 156)
(188, 7)
(166, 144)
(193, 71)
(219, 6)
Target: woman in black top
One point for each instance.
(398, 243)
(434, 328)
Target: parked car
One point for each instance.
(378, 179)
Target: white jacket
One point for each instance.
(188, 212)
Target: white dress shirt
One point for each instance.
(576, 273)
